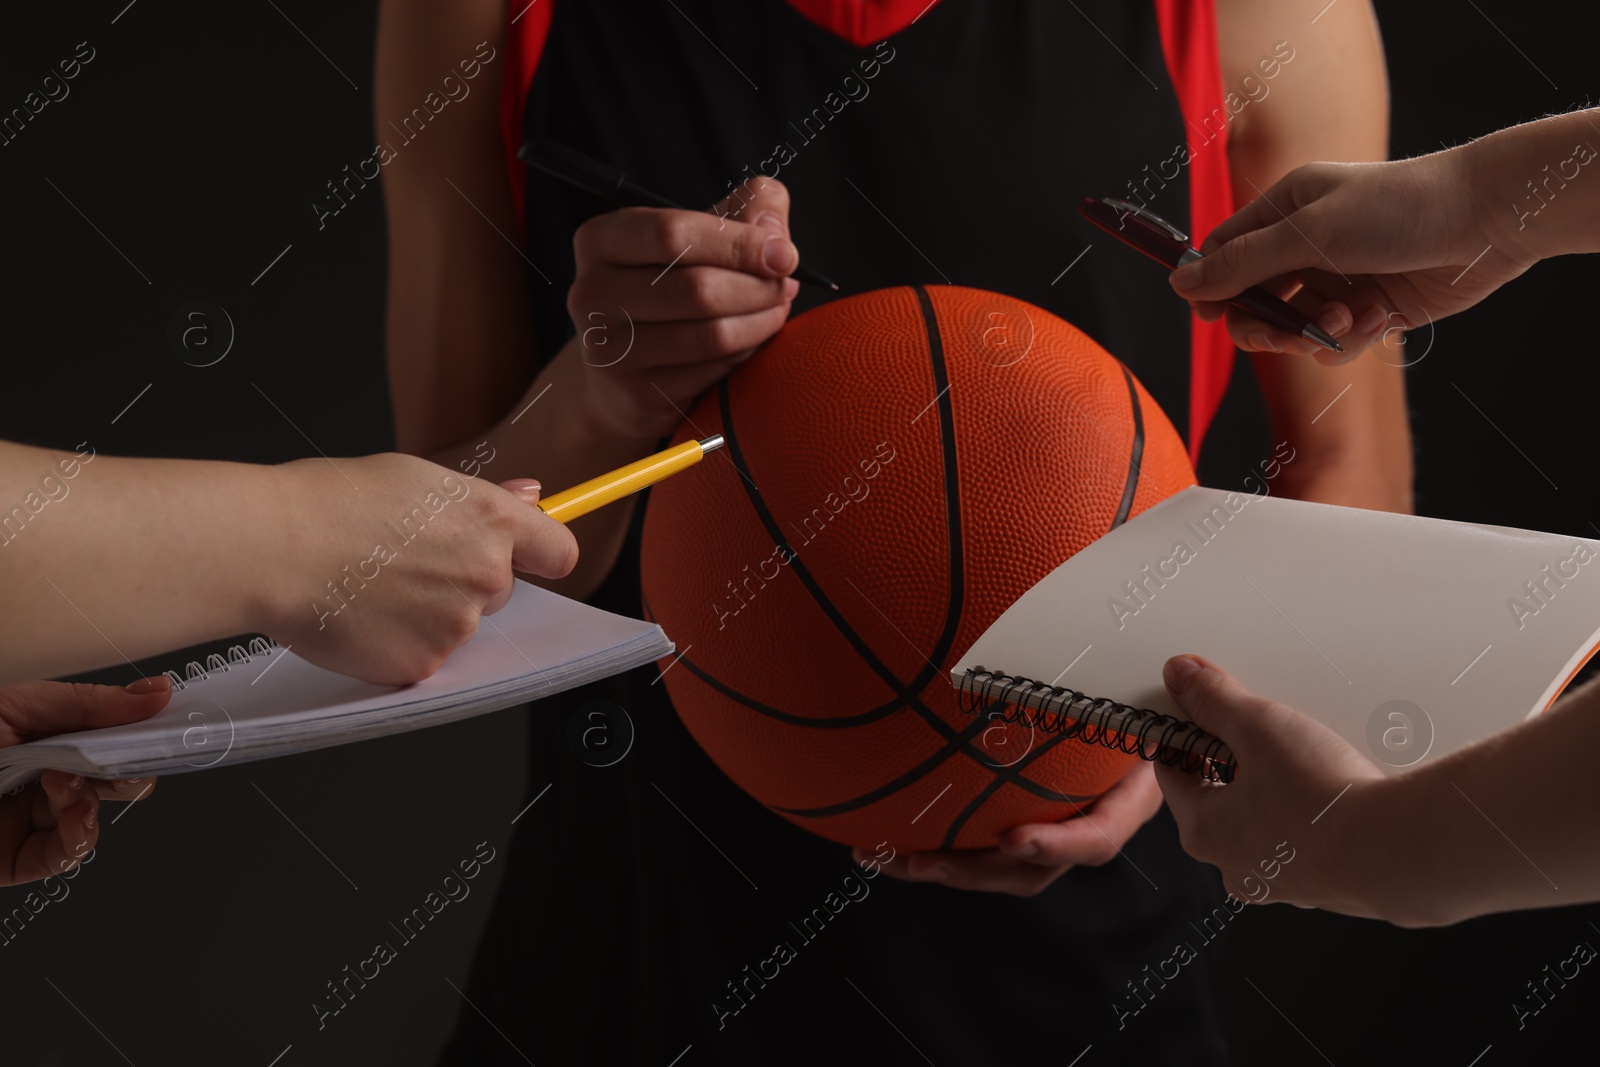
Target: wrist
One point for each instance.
(1509, 174)
(275, 524)
(590, 420)
(1397, 854)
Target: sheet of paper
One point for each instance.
(1409, 636)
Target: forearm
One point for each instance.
(1347, 427)
(1536, 187)
(114, 559)
(1351, 446)
(1510, 823)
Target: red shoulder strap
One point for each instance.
(1189, 40)
(525, 37)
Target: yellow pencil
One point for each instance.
(595, 493)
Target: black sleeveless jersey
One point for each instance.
(651, 909)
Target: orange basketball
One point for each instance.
(900, 467)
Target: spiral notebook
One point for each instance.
(261, 701)
(1410, 637)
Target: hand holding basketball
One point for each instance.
(1034, 855)
(696, 292)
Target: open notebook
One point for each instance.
(1410, 637)
(264, 701)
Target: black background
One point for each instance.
(196, 142)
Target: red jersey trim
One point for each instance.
(1189, 39)
(863, 22)
(525, 36)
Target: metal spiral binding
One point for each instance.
(1066, 711)
(238, 655)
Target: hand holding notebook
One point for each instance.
(1409, 637)
(262, 701)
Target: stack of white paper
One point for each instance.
(277, 704)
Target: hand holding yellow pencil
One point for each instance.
(595, 493)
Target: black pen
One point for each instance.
(610, 184)
(1163, 242)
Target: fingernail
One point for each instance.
(1178, 671)
(1022, 850)
(1334, 321)
(780, 255)
(1186, 278)
(88, 821)
(75, 783)
(1260, 343)
(770, 221)
(791, 288)
(1371, 320)
(158, 683)
(939, 872)
(1301, 347)
(524, 489)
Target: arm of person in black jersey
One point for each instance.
(462, 365)
(1329, 102)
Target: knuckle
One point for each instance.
(721, 336)
(1232, 253)
(775, 195)
(670, 231)
(84, 692)
(702, 290)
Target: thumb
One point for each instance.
(39, 709)
(540, 545)
(1211, 698)
(1234, 264)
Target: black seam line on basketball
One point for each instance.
(736, 453)
(1135, 454)
(952, 483)
(880, 712)
(910, 695)
(961, 743)
(891, 787)
(993, 787)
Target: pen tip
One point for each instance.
(711, 444)
(1313, 332)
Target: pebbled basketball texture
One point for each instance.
(901, 466)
